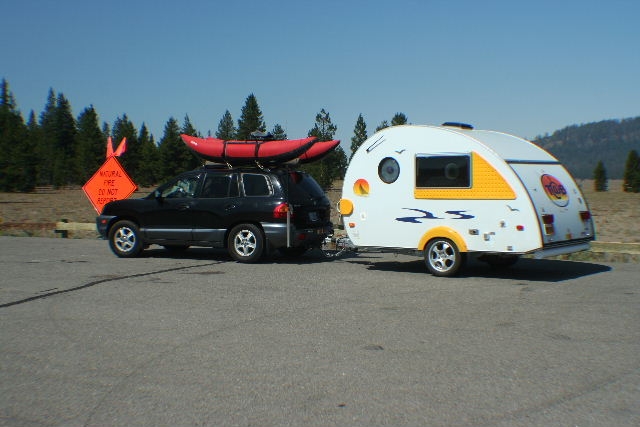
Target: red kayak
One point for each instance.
(318, 150)
(264, 151)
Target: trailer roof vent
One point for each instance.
(458, 125)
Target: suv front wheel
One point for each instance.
(246, 243)
(124, 239)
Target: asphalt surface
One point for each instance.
(87, 339)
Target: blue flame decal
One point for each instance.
(430, 215)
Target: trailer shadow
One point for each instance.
(544, 270)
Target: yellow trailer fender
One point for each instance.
(445, 232)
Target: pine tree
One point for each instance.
(359, 135)
(14, 146)
(90, 145)
(226, 129)
(399, 119)
(46, 142)
(64, 149)
(31, 165)
(278, 133)
(132, 157)
(383, 125)
(600, 177)
(189, 158)
(175, 157)
(251, 119)
(148, 173)
(631, 182)
(334, 165)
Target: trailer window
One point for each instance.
(388, 170)
(443, 171)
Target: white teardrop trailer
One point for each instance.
(450, 191)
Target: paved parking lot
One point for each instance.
(88, 339)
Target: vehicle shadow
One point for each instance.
(196, 253)
(312, 256)
(543, 270)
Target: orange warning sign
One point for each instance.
(109, 183)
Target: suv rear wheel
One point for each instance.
(246, 243)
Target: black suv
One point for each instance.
(247, 210)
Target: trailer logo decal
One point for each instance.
(361, 187)
(430, 215)
(555, 190)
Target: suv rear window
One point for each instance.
(302, 186)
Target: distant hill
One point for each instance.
(580, 147)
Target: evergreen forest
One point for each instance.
(57, 149)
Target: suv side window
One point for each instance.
(184, 186)
(217, 186)
(256, 185)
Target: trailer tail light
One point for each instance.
(280, 211)
(585, 215)
(547, 220)
(520, 227)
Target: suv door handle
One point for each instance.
(230, 207)
(184, 207)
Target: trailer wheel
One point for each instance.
(443, 258)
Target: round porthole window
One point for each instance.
(388, 170)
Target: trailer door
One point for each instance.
(563, 214)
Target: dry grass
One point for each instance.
(616, 213)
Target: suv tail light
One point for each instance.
(585, 215)
(280, 211)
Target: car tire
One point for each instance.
(443, 258)
(124, 239)
(246, 243)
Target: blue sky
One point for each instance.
(522, 67)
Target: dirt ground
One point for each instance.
(616, 213)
